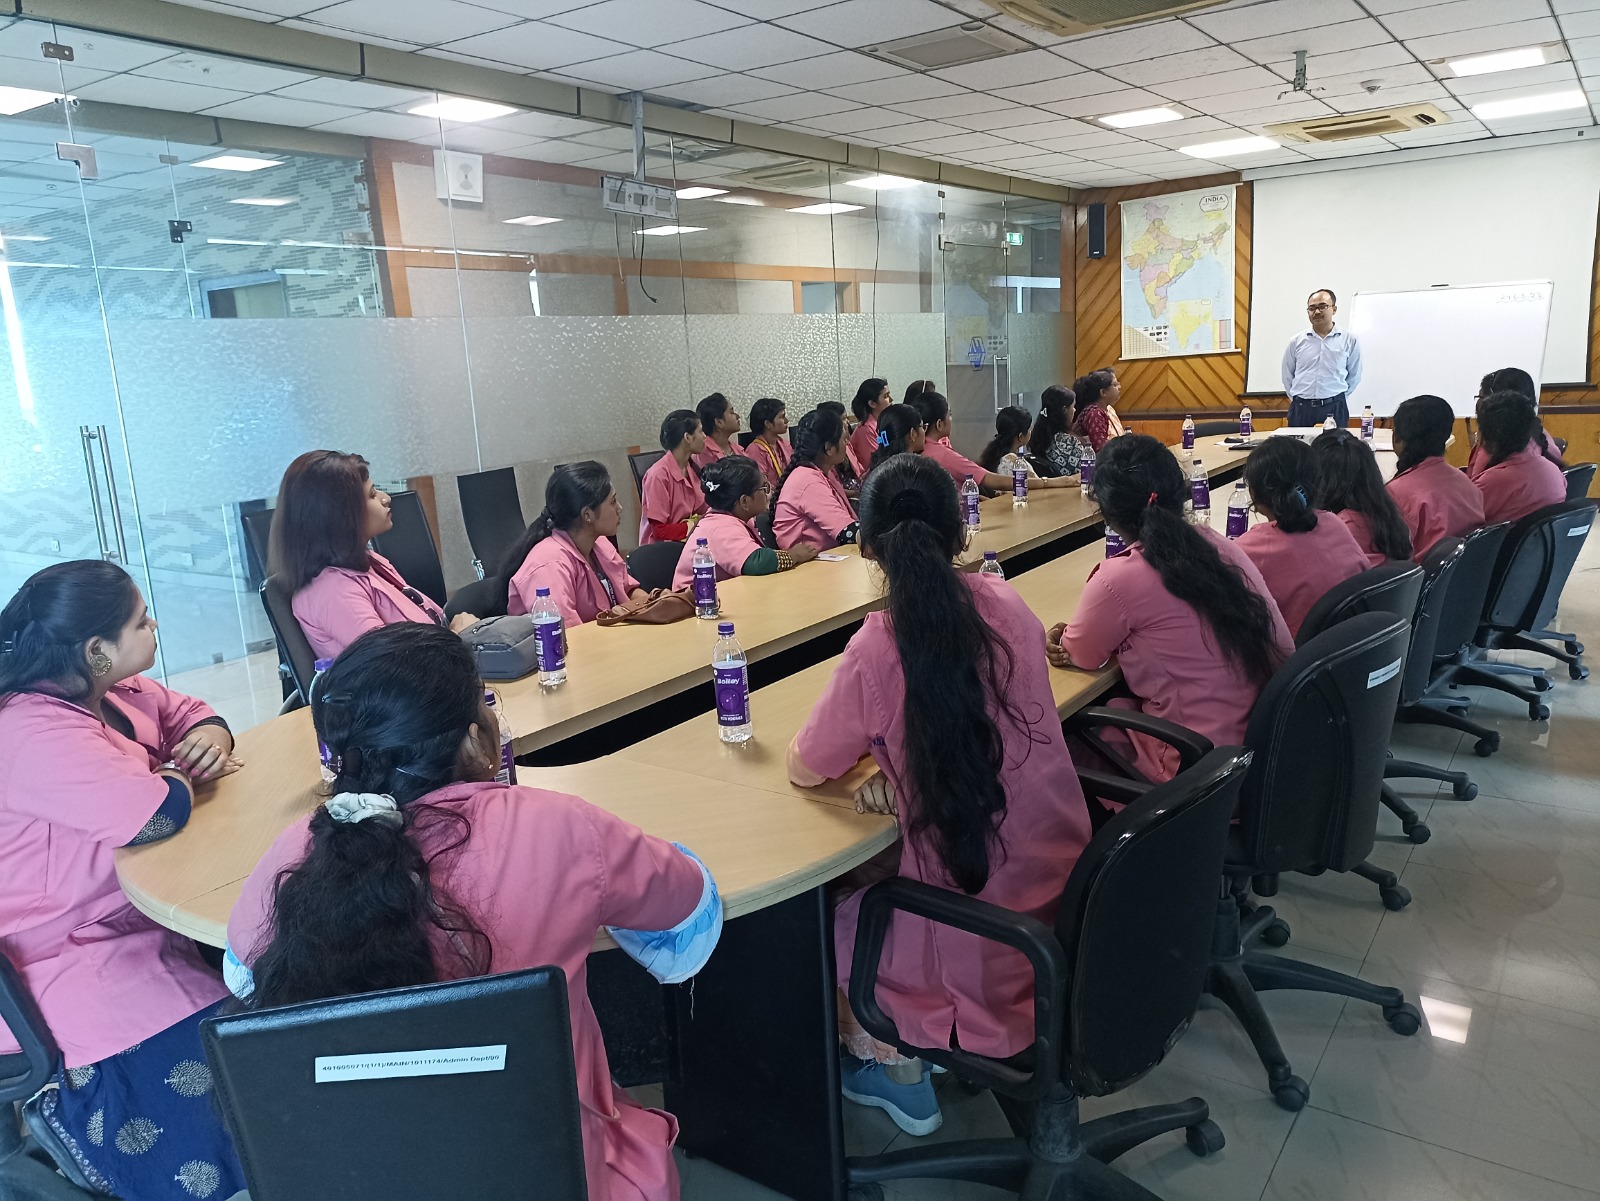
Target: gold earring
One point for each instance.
(99, 663)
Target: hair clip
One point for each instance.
(7, 647)
(1301, 493)
(883, 437)
(710, 485)
(1152, 499)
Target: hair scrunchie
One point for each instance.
(1152, 500)
(348, 808)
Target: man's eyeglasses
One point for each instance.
(1318, 308)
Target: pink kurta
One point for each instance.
(813, 508)
(574, 582)
(540, 874)
(72, 790)
(863, 443)
(1479, 458)
(730, 540)
(1437, 502)
(773, 460)
(711, 454)
(1519, 485)
(1300, 568)
(1361, 530)
(668, 494)
(1168, 656)
(934, 980)
(340, 605)
(953, 461)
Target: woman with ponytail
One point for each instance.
(421, 867)
(868, 404)
(949, 694)
(1436, 500)
(1053, 448)
(1184, 610)
(669, 498)
(935, 410)
(1350, 486)
(568, 548)
(1512, 379)
(1299, 556)
(1518, 476)
(736, 494)
(1097, 394)
(810, 504)
(900, 432)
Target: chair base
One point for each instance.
(1461, 784)
(1571, 652)
(1444, 711)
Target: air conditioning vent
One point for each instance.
(1068, 17)
(1371, 124)
(952, 47)
(791, 176)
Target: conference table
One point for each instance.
(752, 1064)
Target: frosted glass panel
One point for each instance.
(1037, 359)
(898, 347)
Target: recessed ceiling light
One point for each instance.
(460, 108)
(826, 210)
(1141, 116)
(749, 200)
(266, 202)
(698, 193)
(530, 220)
(237, 162)
(882, 183)
(1500, 60)
(20, 100)
(1230, 147)
(23, 238)
(664, 230)
(1528, 106)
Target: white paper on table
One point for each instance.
(829, 558)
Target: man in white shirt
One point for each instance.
(1322, 367)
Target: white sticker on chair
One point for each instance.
(1384, 673)
(385, 1065)
(1579, 532)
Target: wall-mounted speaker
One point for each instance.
(1097, 231)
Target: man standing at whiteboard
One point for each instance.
(1322, 367)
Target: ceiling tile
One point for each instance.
(537, 46)
(280, 110)
(475, 140)
(864, 22)
(1105, 103)
(649, 23)
(1581, 24)
(718, 91)
(856, 120)
(1222, 83)
(1290, 110)
(158, 93)
(418, 24)
(1188, 65)
(993, 73)
(1069, 87)
(1552, 75)
(1455, 43)
(1186, 132)
(1131, 45)
(899, 135)
(544, 125)
(401, 127)
(959, 105)
(214, 71)
(1275, 16)
(640, 71)
(1462, 14)
(1088, 144)
(1416, 93)
(767, 10)
(750, 46)
(1279, 50)
(96, 51)
(1012, 116)
(831, 70)
(797, 107)
(353, 93)
(527, 10)
(959, 143)
(1367, 59)
(897, 90)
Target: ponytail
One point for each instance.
(1348, 478)
(1422, 427)
(896, 424)
(809, 439)
(1008, 423)
(1057, 408)
(571, 488)
(1281, 478)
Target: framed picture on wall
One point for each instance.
(458, 175)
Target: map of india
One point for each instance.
(1177, 274)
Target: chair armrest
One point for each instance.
(22, 1075)
(1191, 747)
(1026, 934)
(1117, 789)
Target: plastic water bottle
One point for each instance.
(1238, 510)
(1366, 424)
(1019, 485)
(1086, 477)
(732, 682)
(1188, 433)
(1245, 426)
(706, 605)
(1200, 491)
(1114, 543)
(508, 756)
(991, 565)
(969, 507)
(317, 668)
(547, 633)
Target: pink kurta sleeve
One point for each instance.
(646, 883)
(334, 610)
(174, 713)
(1099, 626)
(835, 735)
(72, 775)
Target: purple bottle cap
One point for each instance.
(724, 627)
(541, 592)
(699, 541)
(322, 665)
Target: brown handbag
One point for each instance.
(661, 607)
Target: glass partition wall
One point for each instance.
(209, 266)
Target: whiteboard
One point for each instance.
(1445, 340)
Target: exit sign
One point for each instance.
(1014, 238)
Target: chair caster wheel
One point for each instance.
(1418, 833)
(1538, 711)
(1396, 898)
(1578, 671)
(1543, 683)
(1292, 1094)
(1403, 1019)
(1275, 933)
(866, 1192)
(1465, 791)
(1574, 648)
(1485, 747)
(1205, 1139)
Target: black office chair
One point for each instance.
(1115, 983)
(410, 547)
(1579, 478)
(34, 1166)
(745, 437)
(503, 1126)
(641, 462)
(1535, 561)
(258, 541)
(1215, 429)
(654, 564)
(492, 512)
(293, 648)
(484, 598)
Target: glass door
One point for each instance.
(976, 308)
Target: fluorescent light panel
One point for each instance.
(236, 162)
(266, 202)
(1500, 60)
(882, 183)
(530, 219)
(1530, 106)
(460, 108)
(751, 201)
(1230, 147)
(698, 193)
(826, 210)
(662, 231)
(1141, 116)
(20, 100)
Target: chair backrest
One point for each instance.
(1215, 429)
(410, 546)
(1320, 733)
(1136, 920)
(1579, 477)
(1469, 588)
(492, 512)
(461, 1089)
(293, 648)
(24, 1072)
(258, 541)
(484, 598)
(1535, 560)
(1387, 588)
(653, 565)
(641, 462)
(1438, 570)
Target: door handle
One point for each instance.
(87, 434)
(116, 505)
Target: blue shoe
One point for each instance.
(913, 1107)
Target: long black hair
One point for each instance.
(763, 411)
(728, 480)
(1348, 478)
(52, 617)
(1056, 413)
(362, 912)
(711, 410)
(1131, 470)
(933, 407)
(1009, 422)
(866, 396)
(1422, 426)
(571, 488)
(956, 668)
(917, 387)
(320, 518)
(1509, 379)
(810, 438)
(1506, 424)
(895, 424)
(676, 426)
(1513, 381)
(1282, 480)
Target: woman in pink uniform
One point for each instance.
(95, 756)
(935, 410)
(421, 868)
(870, 400)
(669, 496)
(949, 692)
(720, 424)
(900, 432)
(736, 494)
(1436, 500)
(1518, 478)
(1350, 486)
(568, 548)
(769, 449)
(810, 504)
(1299, 553)
(328, 510)
(1511, 379)
(1184, 610)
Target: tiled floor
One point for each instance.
(1497, 1098)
